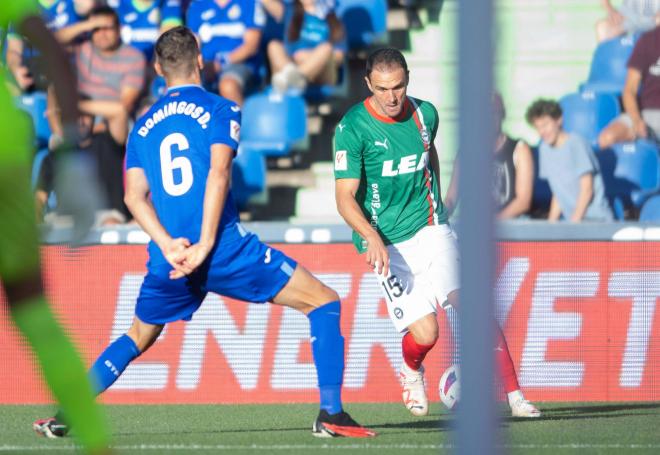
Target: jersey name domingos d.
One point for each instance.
(172, 144)
(398, 192)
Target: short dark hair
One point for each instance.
(177, 51)
(542, 108)
(386, 57)
(105, 10)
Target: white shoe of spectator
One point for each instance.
(289, 78)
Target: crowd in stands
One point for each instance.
(111, 45)
(249, 44)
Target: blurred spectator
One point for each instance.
(230, 34)
(45, 184)
(633, 16)
(641, 95)
(513, 171)
(111, 75)
(314, 47)
(142, 21)
(274, 27)
(63, 18)
(414, 22)
(569, 165)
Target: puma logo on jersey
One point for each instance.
(382, 144)
(267, 258)
(407, 165)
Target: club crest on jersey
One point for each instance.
(425, 137)
(154, 16)
(341, 163)
(234, 12)
(407, 165)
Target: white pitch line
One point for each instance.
(286, 447)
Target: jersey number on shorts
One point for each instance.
(169, 165)
(392, 287)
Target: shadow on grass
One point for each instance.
(604, 411)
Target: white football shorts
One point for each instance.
(424, 270)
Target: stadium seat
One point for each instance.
(608, 65)
(588, 112)
(365, 21)
(35, 105)
(273, 122)
(248, 175)
(651, 210)
(631, 173)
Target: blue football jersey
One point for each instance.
(140, 26)
(172, 144)
(58, 14)
(221, 30)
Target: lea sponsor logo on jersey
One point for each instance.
(407, 165)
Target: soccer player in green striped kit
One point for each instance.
(387, 190)
(19, 244)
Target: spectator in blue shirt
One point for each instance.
(229, 32)
(313, 50)
(143, 21)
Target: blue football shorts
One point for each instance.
(243, 269)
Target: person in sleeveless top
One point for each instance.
(513, 171)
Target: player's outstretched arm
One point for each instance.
(215, 195)
(377, 255)
(138, 202)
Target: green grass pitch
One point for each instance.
(570, 428)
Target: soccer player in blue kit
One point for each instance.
(178, 164)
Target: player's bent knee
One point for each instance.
(426, 338)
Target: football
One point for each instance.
(450, 387)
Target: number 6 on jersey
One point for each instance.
(168, 165)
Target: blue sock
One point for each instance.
(112, 363)
(328, 352)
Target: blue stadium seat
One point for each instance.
(631, 173)
(248, 175)
(365, 21)
(273, 122)
(608, 65)
(651, 210)
(588, 112)
(35, 105)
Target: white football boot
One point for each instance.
(521, 407)
(414, 392)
